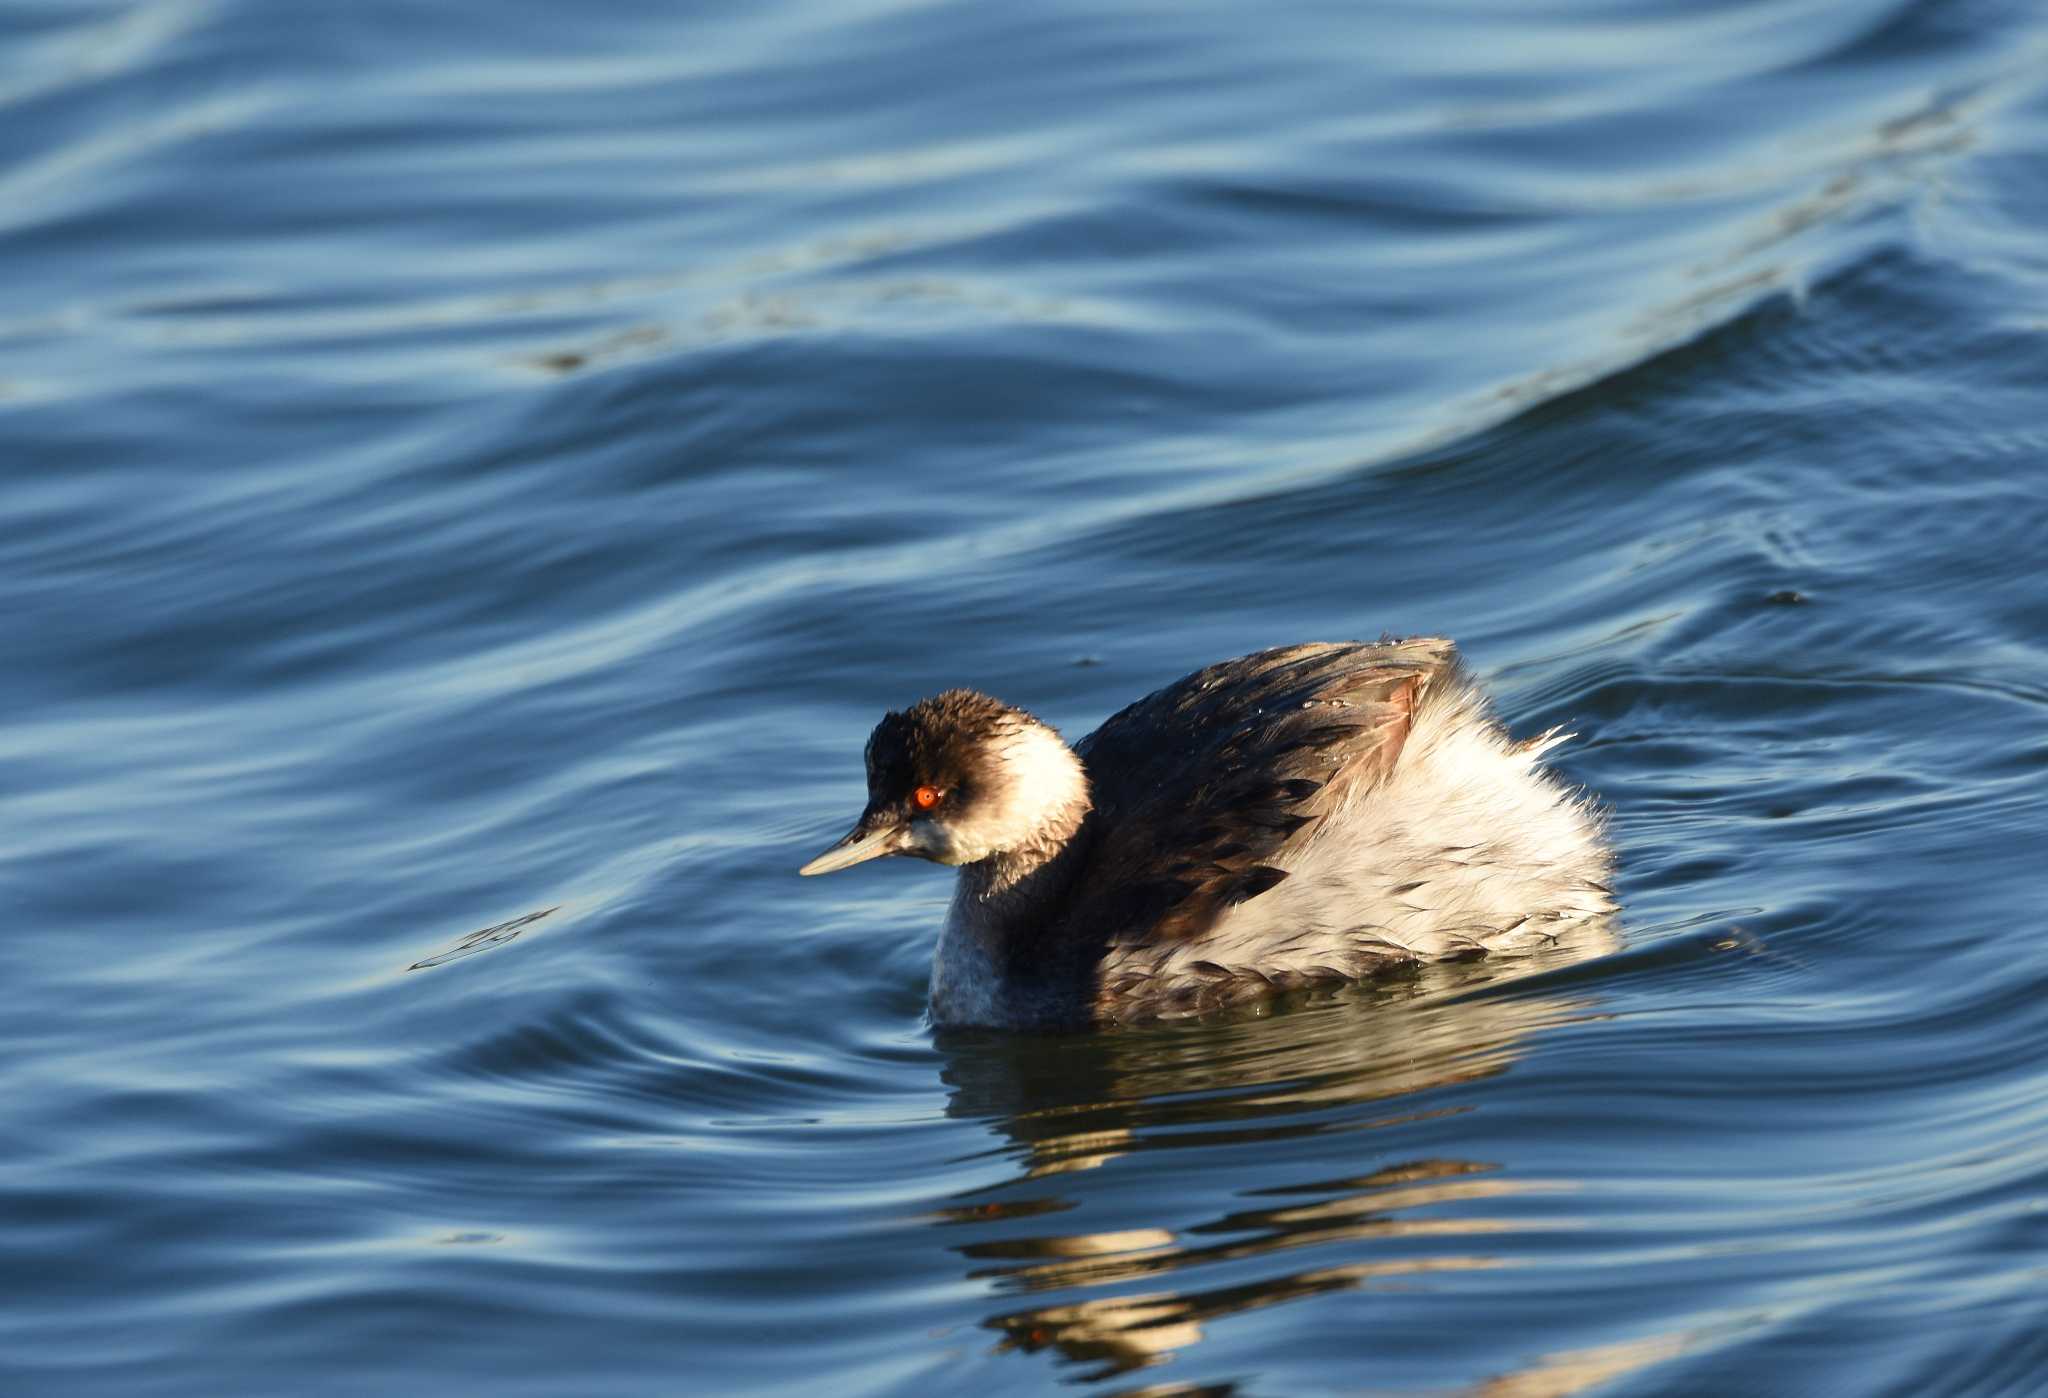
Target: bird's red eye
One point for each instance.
(925, 797)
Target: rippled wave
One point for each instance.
(463, 463)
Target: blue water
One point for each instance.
(469, 460)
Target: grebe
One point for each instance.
(1307, 814)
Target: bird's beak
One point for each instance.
(874, 836)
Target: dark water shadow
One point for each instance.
(483, 939)
(1362, 1059)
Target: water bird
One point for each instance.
(1301, 815)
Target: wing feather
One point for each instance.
(1203, 789)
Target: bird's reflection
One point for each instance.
(1358, 1060)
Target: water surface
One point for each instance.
(469, 461)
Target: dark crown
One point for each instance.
(942, 739)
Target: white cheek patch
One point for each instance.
(1038, 786)
(939, 843)
(1047, 777)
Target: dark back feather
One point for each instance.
(1202, 788)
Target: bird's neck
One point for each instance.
(989, 961)
(1013, 893)
(992, 958)
(1044, 791)
(1035, 869)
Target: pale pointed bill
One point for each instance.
(859, 844)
